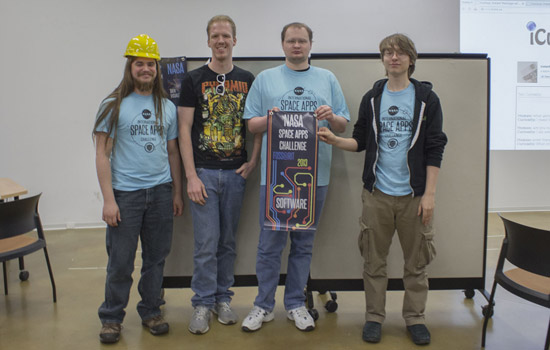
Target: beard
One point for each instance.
(144, 87)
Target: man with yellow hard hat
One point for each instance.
(139, 171)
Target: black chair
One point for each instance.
(17, 218)
(528, 249)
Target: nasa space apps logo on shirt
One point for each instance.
(145, 131)
(298, 100)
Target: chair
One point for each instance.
(529, 250)
(17, 218)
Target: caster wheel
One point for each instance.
(331, 306)
(24, 275)
(484, 310)
(469, 293)
(322, 292)
(314, 313)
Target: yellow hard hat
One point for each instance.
(143, 46)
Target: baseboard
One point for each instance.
(73, 226)
(517, 209)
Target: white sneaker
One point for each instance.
(302, 319)
(255, 318)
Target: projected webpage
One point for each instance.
(516, 36)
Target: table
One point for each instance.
(10, 188)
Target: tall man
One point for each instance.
(212, 143)
(139, 172)
(400, 127)
(275, 89)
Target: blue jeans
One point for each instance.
(268, 260)
(146, 215)
(215, 225)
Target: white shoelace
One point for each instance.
(200, 313)
(257, 311)
(224, 307)
(301, 313)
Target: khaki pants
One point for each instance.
(382, 216)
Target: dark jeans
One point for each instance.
(146, 215)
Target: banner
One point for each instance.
(172, 70)
(291, 171)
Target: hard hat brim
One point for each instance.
(144, 55)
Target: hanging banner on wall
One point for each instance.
(291, 171)
(172, 69)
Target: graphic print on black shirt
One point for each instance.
(222, 120)
(219, 132)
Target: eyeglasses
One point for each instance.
(296, 41)
(220, 89)
(390, 53)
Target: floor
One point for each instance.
(29, 318)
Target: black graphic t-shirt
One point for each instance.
(219, 132)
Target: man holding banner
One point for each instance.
(297, 94)
(212, 142)
(400, 128)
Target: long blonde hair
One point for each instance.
(125, 88)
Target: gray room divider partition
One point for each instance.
(462, 83)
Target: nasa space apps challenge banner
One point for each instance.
(172, 69)
(291, 167)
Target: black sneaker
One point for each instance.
(420, 334)
(372, 332)
(110, 333)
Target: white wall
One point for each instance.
(518, 181)
(60, 58)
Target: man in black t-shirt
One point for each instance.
(212, 138)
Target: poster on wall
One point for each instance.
(172, 69)
(291, 177)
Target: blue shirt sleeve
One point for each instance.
(171, 120)
(340, 106)
(104, 124)
(253, 105)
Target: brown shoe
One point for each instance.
(157, 325)
(110, 333)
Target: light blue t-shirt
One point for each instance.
(301, 91)
(140, 156)
(396, 119)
